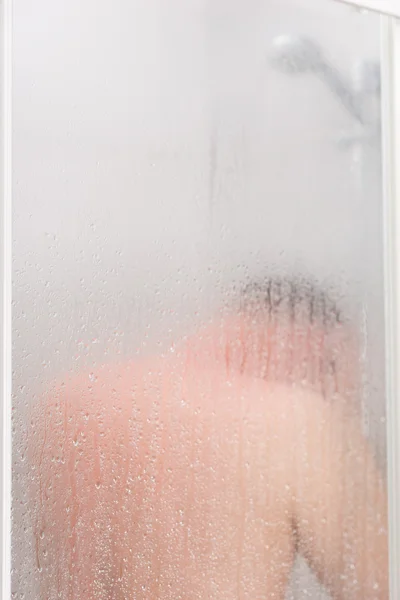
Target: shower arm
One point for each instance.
(296, 55)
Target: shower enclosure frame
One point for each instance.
(5, 294)
(384, 7)
(390, 69)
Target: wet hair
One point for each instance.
(292, 297)
(320, 331)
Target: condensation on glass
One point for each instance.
(197, 259)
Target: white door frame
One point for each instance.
(5, 297)
(390, 68)
(384, 7)
(391, 170)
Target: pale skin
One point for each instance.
(186, 477)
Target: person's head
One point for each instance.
(285, 329)
(300, 334)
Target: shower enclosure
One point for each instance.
(164, 156)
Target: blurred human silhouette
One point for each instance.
(200, 473)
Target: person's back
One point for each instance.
(200, 475)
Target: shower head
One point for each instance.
(295, 54)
